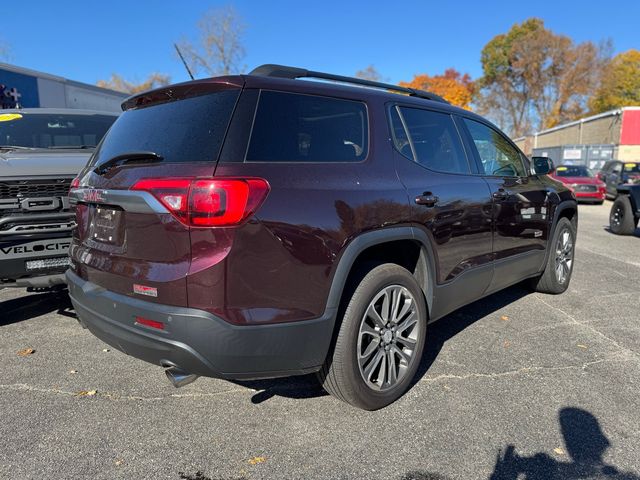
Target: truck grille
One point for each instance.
(34, 188)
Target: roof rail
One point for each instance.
(282, 71)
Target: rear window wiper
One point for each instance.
(129, 157)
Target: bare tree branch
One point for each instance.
(219, 49)
(370, 73)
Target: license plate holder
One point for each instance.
(105, 225)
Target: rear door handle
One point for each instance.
(500, 194)
(427, 199)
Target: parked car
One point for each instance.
(584, 184)
(41, 151)
(625, 211)
(258, 226)
(618, 172)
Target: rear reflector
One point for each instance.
(150, 323)
(144, 290)
(219, 202)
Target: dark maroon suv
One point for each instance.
(262, 225)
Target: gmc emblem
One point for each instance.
(92, 195)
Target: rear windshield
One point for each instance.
(291, 127)
(573, 171)
(187, 130)
(632, 167)
(48, 130)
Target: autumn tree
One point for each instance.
(117, 82)
(453, 86)
(534, 78)
(620, 85)
(370, 73)
(218, 50)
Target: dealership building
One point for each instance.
(590, 141)
(24, 88)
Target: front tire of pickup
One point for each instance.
(557, 273)
(380, 341)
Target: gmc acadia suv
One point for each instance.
(41, 151)
(260, 225)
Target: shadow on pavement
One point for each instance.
(290, 387)
(34, 305)
(421, 475)
(585, 444)
(636, 232)
(437, 334)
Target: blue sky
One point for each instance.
(87, 41)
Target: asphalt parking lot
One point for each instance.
(517, 385)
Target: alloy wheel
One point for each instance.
(387, 337)
(564, 256)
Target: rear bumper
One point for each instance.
(197, 341)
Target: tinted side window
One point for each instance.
(435, 140)
(497, 155)
(291, 127)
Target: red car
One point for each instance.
(584, 184)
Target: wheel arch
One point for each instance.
(633, 193)
(565, 209)
(384, 245)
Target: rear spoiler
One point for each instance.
(183, 90)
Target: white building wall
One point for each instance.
(51, 93)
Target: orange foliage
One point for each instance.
(452, 86)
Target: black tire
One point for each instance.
(549, 281)
(341, 374)
(621, 218)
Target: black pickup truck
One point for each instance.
(41, 151)
(625, 212)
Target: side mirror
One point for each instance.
(542, 165)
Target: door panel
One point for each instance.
(453, 206)
(521, 205)
(521, 208)
(459, 222)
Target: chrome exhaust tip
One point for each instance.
(179, 378)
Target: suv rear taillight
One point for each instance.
(216, 202)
